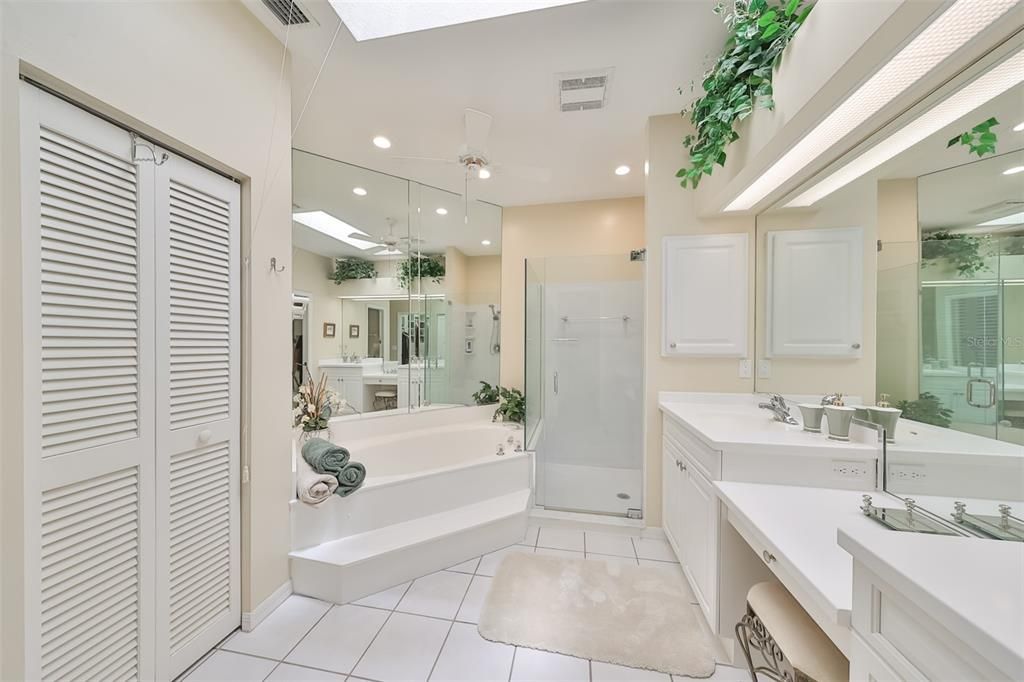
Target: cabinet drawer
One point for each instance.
(381, 381)
(707, 460)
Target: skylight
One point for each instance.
(1012, 219)
(369, 20)
(335, 228)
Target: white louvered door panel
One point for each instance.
(88, 372)
(198, 567)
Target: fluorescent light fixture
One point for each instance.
(1019, 127)
(483, 174)
(991, 84)
(327, 224)
(486, 242)
(948, 33)
(441, 211)
(622, 170)
(1014, 170)
(369, 20)
(382, 142)
(359, 191)
(1012, 219)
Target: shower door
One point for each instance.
(589, 378)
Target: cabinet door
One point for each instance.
(700, 544)
(352, 392)
(814, 301)
(704, 300)
(670, 496)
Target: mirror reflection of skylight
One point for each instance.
(1012, 219)
(369, 20)
(327, 224)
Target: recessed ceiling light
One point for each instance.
(483, 174)
(486, 242)
(622, 170)
(359, 191)
(1019, 127)
(369, 20)
(948, 33)
(1012, 219)
(1014, 170)
(333, 227)
(441, 211)
(382, 142)
(993, 83)
(647, 167)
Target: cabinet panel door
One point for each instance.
(701, 549)
(704, 301)
(670, 496)
(815, 292)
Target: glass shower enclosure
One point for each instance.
(584, 382)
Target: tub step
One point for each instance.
(351, 568)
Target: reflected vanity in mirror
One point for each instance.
(918, 272)
(406, 277)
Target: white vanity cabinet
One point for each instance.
(690, 511)
(348, 383)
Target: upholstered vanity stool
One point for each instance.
(792, 646)
(387, 400)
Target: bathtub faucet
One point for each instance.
(501, 450)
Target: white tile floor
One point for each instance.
(426, 629)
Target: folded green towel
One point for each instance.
(350, 478)
(325, 457)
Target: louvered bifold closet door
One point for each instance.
(88, 371)
(197, 411)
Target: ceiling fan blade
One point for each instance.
(531, 173)
(426, 159)
(478, 129)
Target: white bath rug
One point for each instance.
(635, 616)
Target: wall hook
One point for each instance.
(137, 144)
(273, 266)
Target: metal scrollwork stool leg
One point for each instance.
(751, 633)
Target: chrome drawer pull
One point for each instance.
(767, 556)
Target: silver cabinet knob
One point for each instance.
(672, 345)
(767, 556)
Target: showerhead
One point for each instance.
(495, 313)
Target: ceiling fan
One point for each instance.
(392, 241)
(473, 155)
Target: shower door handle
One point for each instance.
(556, 383)
(990, 392)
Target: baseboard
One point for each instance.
(253, 618)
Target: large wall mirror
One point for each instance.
(395, 288)
(905, 287)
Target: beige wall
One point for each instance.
(671, 210)
(611, 226)
(309, 275)
(483, 279)
(203, 78)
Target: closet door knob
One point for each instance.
(672, 345)
(205, 435)
(855, 346)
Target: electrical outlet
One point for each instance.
(764, 369)
(907, 472)
(745, 368)
(850, 469)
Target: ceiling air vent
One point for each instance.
(584, 91)
(287, 12)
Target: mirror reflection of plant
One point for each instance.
(963, 251)
(979, 140)
(487, 395)
(415, 267)
(740, 78)
(352, 268)
(927, 409)
(512, 407)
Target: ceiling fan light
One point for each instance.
(483, 174)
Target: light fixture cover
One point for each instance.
(369, 20)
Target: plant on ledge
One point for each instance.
(927, 409)
(414, 267)
(960, 250)
(512, 407)
(979, 140)
(740, 79)
(487, 395)
(353, 268)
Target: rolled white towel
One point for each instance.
(313, 488)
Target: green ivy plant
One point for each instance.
(414, 267)
(979, 140)
(487, 395)
(352, 268)
(512, 407)
(927, 409)
(740, 79)
(964, 252)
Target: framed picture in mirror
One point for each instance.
(329, 329)
(353, 331)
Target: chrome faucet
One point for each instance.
(777, 404)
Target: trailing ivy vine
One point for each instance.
(979, 140)
(353, 268)
(963, 252)
(414, 267)
(740, 79)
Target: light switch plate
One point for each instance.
(745, 370)
(764, 369)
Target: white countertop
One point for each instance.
(734, 423)
(973, 586)
(335, 362)
(917, 438)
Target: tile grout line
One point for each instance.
(512, 667)
(380, 629)
(450, 626)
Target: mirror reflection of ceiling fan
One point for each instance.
(473, 156)
(394, 245)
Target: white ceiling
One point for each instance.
(413, 89)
